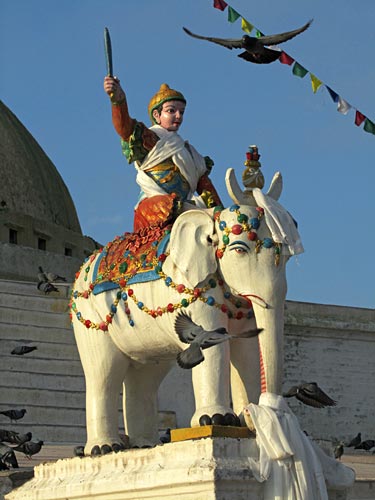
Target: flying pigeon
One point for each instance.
(14, 414)
(7, 457)
(255, 50)
(355, 441)
(311, 395)
(23, 349)
(29, 448)
(193, 334)
(14, 437)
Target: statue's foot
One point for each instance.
(229, 419)
(104, 449)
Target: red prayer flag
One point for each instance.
(220, 4)
(286, 59)
(359, 118)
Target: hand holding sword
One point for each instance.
(111, 84)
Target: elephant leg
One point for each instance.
(104, 366)
(245, 373)
(211, 383)
(140, 402)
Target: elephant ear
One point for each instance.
(192, 245)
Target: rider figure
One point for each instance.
(169, 169)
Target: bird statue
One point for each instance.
(355, 441)
(310, 394)
(193, 334)
(255, 47)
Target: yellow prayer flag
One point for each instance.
(246, 26)
(315, 82)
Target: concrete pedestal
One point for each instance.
(213, 468)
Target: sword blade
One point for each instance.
(108, 52)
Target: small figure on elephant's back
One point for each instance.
(169, 169)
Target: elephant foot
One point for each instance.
(229, 419)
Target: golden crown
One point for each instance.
(165, 93)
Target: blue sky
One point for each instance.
(52, 67)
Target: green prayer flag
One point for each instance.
(369, 126)
(299, 70)
(232, 14)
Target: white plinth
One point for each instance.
(203, 469)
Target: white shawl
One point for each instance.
(292, 466)
(187, 159)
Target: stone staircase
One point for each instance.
(49, 381)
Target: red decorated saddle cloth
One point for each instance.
(131, 258)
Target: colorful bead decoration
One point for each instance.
(126, 293)
(247, 226)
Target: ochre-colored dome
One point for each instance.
(30, 183)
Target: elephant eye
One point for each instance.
(239, 247)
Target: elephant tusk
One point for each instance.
(256, 299)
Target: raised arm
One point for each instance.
(121, 119)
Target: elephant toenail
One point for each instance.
(95, 451)
(205, 420)
(117, 447)
(218, 419)
(105, 449)
(230, 419)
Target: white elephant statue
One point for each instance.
(222, 267)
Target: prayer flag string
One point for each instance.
(343, 106)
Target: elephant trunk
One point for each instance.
(271, 348)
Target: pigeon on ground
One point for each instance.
(14, 437)
(365, 445)
(311, 395)
(23, 349)
(52, 277)
(355, 441)
(14, 414)
(166, 437)
(42, 277)
(46, 287)
(79, 451)
(29, 448)
(255, 50)
(193, 334)
(339, 451)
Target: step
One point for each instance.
(20, 396)
(30, 288)
(51, 351)
(38, 365)
(36, 318)
(20, 334)
(49, 381)
(34, 302)
(44, 415)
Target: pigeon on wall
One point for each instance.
(255, 49)
(14, 415)
(355, 441)
(29, 448)
(14, 437)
